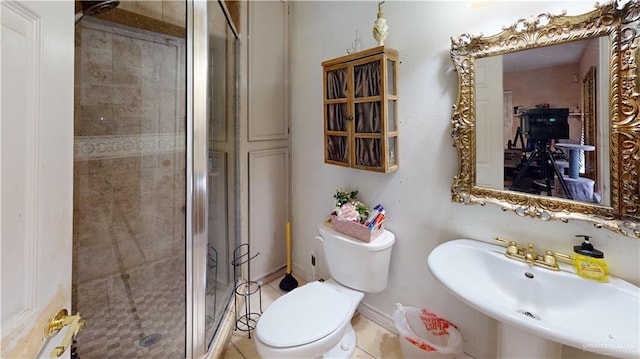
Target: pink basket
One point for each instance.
(357, 230)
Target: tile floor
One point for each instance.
(373, 341)
(140, 305)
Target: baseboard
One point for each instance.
(273, 275)
(377, 317)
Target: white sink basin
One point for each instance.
(558, 306)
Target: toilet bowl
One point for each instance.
(308, 322)
(314, 320)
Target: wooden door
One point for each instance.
(36, 145)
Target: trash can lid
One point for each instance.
(304, 315)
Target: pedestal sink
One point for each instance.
(538, 309)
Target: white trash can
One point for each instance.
(424, 335)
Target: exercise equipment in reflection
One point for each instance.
(541, 126)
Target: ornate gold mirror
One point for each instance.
(547, 122)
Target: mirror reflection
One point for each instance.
(541, 171)
(542, 121)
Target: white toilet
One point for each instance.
(314, 320)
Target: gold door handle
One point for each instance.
(55, 324)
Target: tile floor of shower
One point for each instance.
(125, 309)
(130, 321)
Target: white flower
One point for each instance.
(348, 212)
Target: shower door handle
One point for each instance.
(61, 320)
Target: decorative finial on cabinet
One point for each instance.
(380, 27)
(355, 45)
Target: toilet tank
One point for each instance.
(356, 264)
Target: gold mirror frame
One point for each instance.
(621, 24)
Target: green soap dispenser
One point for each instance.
(589, 262)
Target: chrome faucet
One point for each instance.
(528, 255)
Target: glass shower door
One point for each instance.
(222, 163)
(148, 220)
(130, 182)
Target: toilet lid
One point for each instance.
(302, 316)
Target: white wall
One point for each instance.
(417, 196)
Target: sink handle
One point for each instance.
(512, 246)
(505, 242)
(564, 257)
(550, 259)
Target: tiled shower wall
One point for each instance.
(129, 191)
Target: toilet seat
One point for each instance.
(304, 315)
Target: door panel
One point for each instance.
(267, 71)
(489, 127)
(268, 196)
(36, 132)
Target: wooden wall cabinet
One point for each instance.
(360, 110)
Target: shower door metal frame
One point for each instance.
(196, 176)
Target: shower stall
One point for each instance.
(155, 177)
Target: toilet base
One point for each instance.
(345, 348)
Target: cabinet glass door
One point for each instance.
(368, 114)
(336, 113)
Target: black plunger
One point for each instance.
(288, 283)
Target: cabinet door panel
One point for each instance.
(337, 149)
(368, 117)
(268, 64)
(393, 150)
(369, 152)
(336, 115)
(268, 196)
(391, 116)
(366, 79)
(336, 83)
(391, 78)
